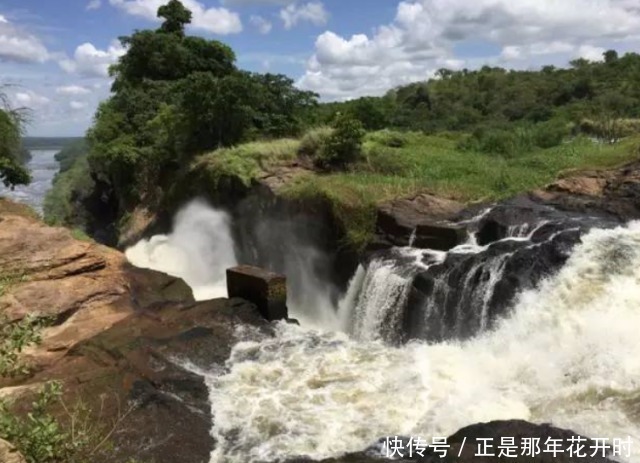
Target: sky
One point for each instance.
(54, 54)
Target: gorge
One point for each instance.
(532, 316)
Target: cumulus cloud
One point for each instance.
(91, 61)
(72, 90)
(30, 99)
(94, 5)
(257, 2)
(425, 33)
(77, 105)
(217, 20)
(313, 12)
(18, 45)
(264, 26)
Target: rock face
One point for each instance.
(125, 342)
(267, 290)
(9, 454)
(423, 221)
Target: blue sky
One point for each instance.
(54, 54)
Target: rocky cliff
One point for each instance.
(119, 339)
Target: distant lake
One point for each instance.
(43, 167)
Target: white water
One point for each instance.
(569, 354)
(198, 250)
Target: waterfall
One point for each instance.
(198, 250)
(383, 293)
(567, 354)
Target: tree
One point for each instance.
(12, 122)
(176, 17)
(610, 56)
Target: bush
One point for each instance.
(550, 134)
(314, 140)
(344, 146)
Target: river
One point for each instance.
(43, 167)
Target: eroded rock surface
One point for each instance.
(131, 344)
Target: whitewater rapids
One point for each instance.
(569, 354)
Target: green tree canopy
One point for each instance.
(12, 121)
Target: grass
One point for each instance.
(247, 161)
(433, 164)
(398, 165)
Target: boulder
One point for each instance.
(267, 290)
(424, 219)
(9, 454)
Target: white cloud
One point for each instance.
(30, 99)
(77, 105)
(20, 46)
(591, 53)
(72, 90)
(313, 12)
(425, 33)
(94, 5)
(264, 26)
(90, 61)
(217, 20)
(257, 2)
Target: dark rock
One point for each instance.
(441, 237)
(267, 290)
(468, 292)
(425, 217)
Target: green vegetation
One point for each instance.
(343, 146)
(70, 153)
(72, 435)
(247, 161)
(63, 204)
(176, 96)
(12, 156)
(471, 134)
(434, 163)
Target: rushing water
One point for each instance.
(43, 169)
(567, 353)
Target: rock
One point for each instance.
(130, 344)
(424, 218)
(9, 454)
(267, 290)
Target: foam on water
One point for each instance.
(569, 354)
(198, 250)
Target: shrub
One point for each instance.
(549, 134)
(314, 140)
(344, 146)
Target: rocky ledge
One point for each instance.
(119, 341)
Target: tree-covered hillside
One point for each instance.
(492, 96)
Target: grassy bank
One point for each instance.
(397, 164)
